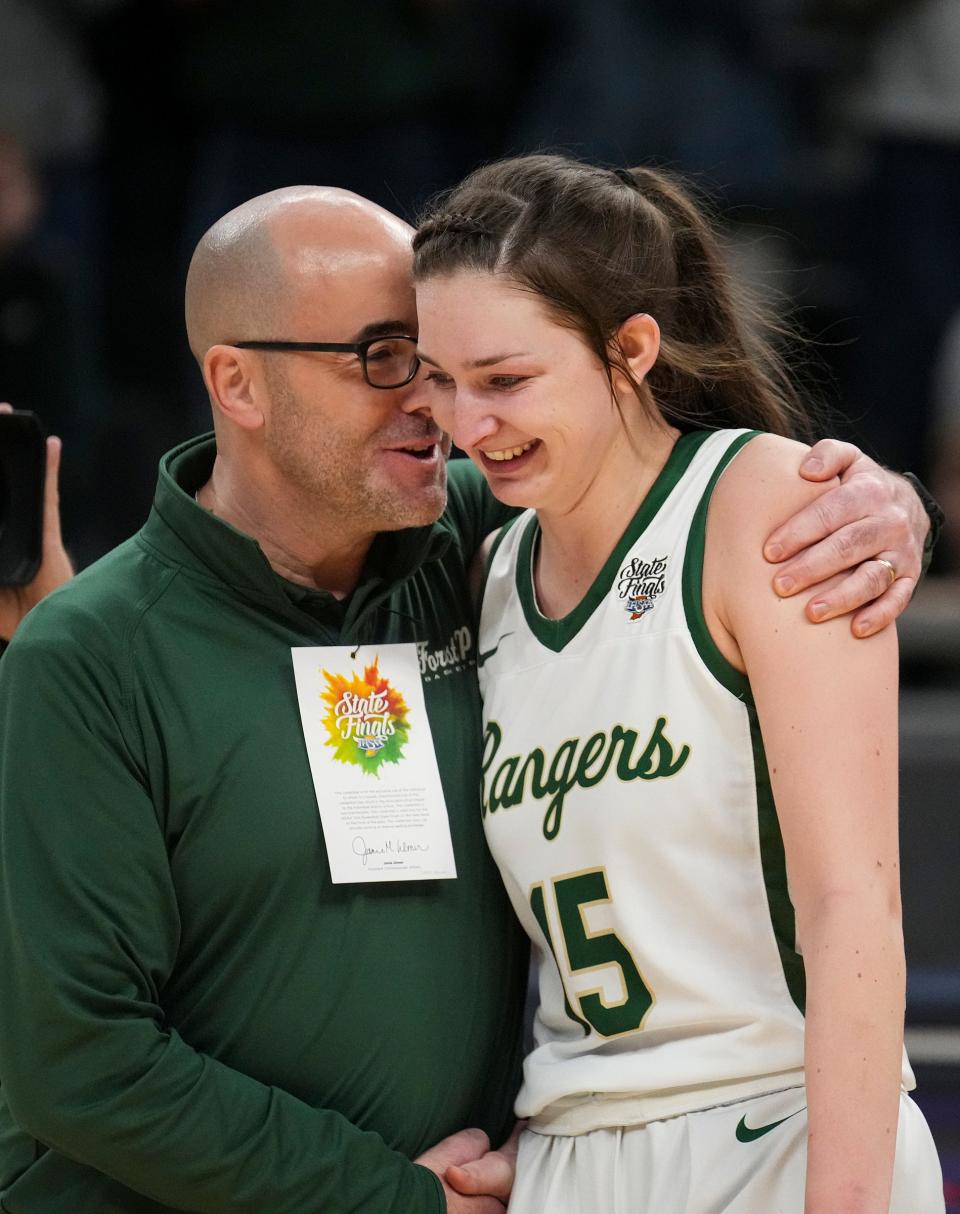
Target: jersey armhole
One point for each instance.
(726, 674)
(770, 839)
(480, 585)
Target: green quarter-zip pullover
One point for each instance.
(192, 1017)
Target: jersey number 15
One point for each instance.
(587, 950)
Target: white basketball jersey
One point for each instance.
(627, 802)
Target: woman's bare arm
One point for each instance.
(827, 705)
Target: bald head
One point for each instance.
(254, 270)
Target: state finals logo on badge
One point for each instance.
(640, 583)
(366, 719)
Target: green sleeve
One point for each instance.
(88, 936)
(472, 510)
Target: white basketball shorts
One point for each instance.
(743, 1158)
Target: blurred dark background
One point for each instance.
(827, 132)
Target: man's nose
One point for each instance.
(414, 397)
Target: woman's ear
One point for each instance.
(638, 344)
(233, 387)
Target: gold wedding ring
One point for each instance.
(890, 569)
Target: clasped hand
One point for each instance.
(475, 1179)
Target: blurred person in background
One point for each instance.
(51, 257)
(55, 565)
(908, 109)
(209, 103)
(693, 87)
(944, 447)
(390, 98)
(193, 1016)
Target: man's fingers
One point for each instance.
(839, 552)
(875, 617)
(828, 458)
(51, 494)
(841, 507)
(459, 1204)
(459, 1148)
(462, 1179)
(867, 585)
(492, 1175)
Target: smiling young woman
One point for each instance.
(690, 790)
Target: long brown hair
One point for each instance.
(600, 245)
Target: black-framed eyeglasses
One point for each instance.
(386, 362)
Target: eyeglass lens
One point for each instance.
(391, 362)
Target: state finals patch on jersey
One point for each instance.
(640, 583)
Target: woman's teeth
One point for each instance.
(509, 452)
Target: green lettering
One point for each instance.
(591, 750)
(559, 782)
(492, 737)
(626, 739)
(534, 761)
(500, 784)
(573, 765)
(661, 747)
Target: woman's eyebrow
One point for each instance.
(478, 362)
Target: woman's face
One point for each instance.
(523, 396)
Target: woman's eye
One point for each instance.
(507, 381)
(438, 378)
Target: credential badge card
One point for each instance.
(373, 763)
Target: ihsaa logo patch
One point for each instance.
(640, 583)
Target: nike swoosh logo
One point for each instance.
(746, 1133)
(484, 657)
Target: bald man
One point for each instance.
(193, 1014)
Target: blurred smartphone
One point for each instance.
(23, 462)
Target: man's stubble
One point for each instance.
(331, 471)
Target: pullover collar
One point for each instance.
(207, 547)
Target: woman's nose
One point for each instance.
(470, 422)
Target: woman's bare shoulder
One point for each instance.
(762, 488)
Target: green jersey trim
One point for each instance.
(728, 676)
(557, 634)
(773, 862)
(772, 858)
(497, 541)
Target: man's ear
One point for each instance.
(638, 344)
(234, 386)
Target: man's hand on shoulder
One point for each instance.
(475, 1179)
(55, 567)
(871, 527)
